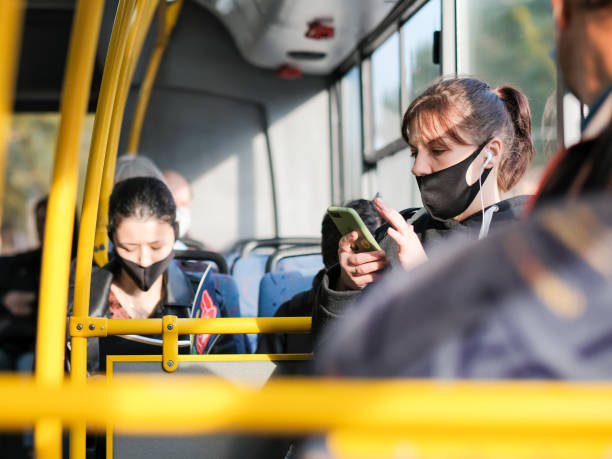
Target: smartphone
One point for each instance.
(348, 220)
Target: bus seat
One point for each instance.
(278, 287)
(135, 345)
(306, 264)
(198, 260)
(306, 259)
(227, 290)
(231, 259)
(248, 273)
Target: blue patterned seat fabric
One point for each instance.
(308, 265)
(248, 272)
(277, 287)
(228, 290)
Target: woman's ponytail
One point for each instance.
(521, 151)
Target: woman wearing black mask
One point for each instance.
(141, 281)
(471, 143)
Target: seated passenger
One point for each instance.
(543, 311)
(19, 285)
(181, 191)
(129, 166)
(301, 305)
(470, 144)
(140, 281)
(530, 302)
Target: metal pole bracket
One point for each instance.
(88, 327)
(170, 345)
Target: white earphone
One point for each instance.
(489, 159)
(484, 227)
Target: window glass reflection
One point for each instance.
(350, 106)
(386, 92)
(417, 36)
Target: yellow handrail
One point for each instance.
(442, 417)
(11, 21)
(60, 215)
(97, 326)
(89, 211)
(168, 16)
(144, 11)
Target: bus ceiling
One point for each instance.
(312, 35)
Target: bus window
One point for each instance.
(350, 106)
(386, 92)
(419, 69)
(28, 174)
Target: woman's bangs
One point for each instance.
(434, 127)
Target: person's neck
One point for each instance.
(490, 195)
(597, 89)
(597, 71)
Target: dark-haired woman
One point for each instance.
(470, 144)
(141, 281)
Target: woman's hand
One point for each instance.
(410, 250)
(357, 269)
(19, 302)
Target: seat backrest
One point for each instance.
(227, 292)
(135, 345)
(248, 272)
(277, 287)
(306, 259)
(308, 265)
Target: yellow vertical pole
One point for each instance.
(51, 330)
(108, 88)
(141, 25)
(168, 15)
(11, 21)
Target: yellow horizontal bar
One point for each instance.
(243, 357)
(110, 359)
(134, 326)
(376, 445)
(219, 326)
(420, 408)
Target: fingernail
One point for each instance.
(381, 203)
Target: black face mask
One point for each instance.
(445, 194)
(145, 277)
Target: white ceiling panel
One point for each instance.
(266, 30)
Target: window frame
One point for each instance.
(362, 56)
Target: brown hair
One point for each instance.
(593, 4)
(484, 113)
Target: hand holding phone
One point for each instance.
(348, 220)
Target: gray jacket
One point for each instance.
(330, 304)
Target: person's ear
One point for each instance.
(560, 13)
(493, 150)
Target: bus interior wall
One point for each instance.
(209, 126)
